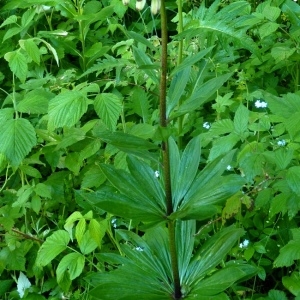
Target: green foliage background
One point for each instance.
(82, 203)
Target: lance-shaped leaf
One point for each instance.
(17, 138)
(121, 205)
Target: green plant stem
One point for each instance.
(179, 60)
(165, 151)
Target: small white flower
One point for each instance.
(156, 174)
(139, 248)
(206, 125)
(140, 4)
(244, 244)
(260, 104)
(114, 223)
(281, 143)
(229, 168)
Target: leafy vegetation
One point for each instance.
(149, 156)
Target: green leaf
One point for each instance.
(142, 60)
(176, 89)
(223, 279)
(108, 107)
(211, 254)
(11, 32)
(221, 127)
(191, 60)
(87, 244)
(187, 171)
(66, 109)
(97, 230)
(35, 102)
(223, 145)
(32, 49)
(73, 263)
(201, 95)
(53, 246)
(293, 179)
(277, 295)
(139, 104)
(288, 254)
(292, 283)
(18, 64)
(10, 20)
(80, 230)
(121, 205)
(241, 118)
(17, 138)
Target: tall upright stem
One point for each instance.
(165, 150)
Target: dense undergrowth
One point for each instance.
(144, 161)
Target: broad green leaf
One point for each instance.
(201, 95)
(187, 171)
(35, 102)
(73, 163)
(282, 53)
(221, 127)
(17, 138)
(11, 32)
(176, 89)
(277, 295)
(32, 49)
(292, 283)
(97, 230)
(66, 109)
(73, 263)
(223, 145)
(223, 279)
(18, 64)
(80, 230)
(94, 177)
(143, 60)
(31, 171)
(241, 118)
(139, 104)
(108, 107)
(6, 114)
(140, 39)
(10, 20)
(121, 205)
(53, 246)
(293, 179)
(267, 29)
(87, 244)
(288, 254)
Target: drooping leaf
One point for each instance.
(17, 138)
(66, 109)
(53, 246)
(108, 107)
(32, 49)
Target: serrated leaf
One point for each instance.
(66, 109)
(108, 107)
(73, 263)
(80, 230)
(293, 179)
(32, 49)
(35, 102)
(288, 254)
(18, 64)
(292, 283)
(87, 244)
(97, 230)
(221, 127)
(17, 138)
(241, 118)
(10, 20)
(139, 104)
(53, 246)
(11, 32)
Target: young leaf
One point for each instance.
(87, 244)
(241, 118)
(73, 263)
(32, 49)
(54, 245)
(108, 107)
(17, 138)
(66, 109)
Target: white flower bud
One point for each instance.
(140, 4)
(155, 6)
(125, 2)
